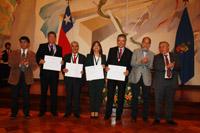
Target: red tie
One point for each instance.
(74, 59)
(169, 74)
(120, 54)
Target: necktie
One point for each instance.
(51, 50)
(23, 54)
(120, 54)
(169, 74)
(23, 67)
(74, 59)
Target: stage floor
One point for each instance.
(49, 124)
(186, 114)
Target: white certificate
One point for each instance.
(116, 72)
(52, 63)
(94, 72)
(74, 70)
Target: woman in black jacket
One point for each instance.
(96, 57)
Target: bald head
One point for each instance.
(146, 43)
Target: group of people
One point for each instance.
(139, 66)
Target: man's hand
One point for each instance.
(65, 70)
(26, 62)
(171, 65)
(103, 66)
(107, 69)
(41, 62)
(82, 72)
(126, 73)
(145, 60)
(62, 62)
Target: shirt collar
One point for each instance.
(74, 54)
(166, 54)
(24, 50)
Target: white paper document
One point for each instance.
(94, 72)
(52, 63)
(116, 72)
(74, 70)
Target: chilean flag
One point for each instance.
(67, 24)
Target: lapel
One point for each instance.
(91, 59)
(171, 57)
(70, 58)
(79, 59)
(28, 54)
(140, 54)
(56, 50)
(162, 59)
(18, 55)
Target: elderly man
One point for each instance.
(165, 81)
(140, 76)
(73, 85)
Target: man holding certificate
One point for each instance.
(118, 57)
(96, 61)
(49, 54)
(73, 71)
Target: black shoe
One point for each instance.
(41, 114)
(13, 116)
(171, 122)
(133, 119)
(106, 117)
(96, 117)
(27, 116)
(145, 119)
(156, 122)
(77, 115)
(118, 118)
(66, 115)
(54, 114)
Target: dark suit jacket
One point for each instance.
(125, 59)
(44, 50)
(159, 71)
(81, 60)
(14, 61)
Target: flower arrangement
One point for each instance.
(127, 98)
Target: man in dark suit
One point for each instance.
(48, 78)
(121, 56)
(22, 63)
(73, 85)
(165, 81)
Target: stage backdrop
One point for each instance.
(99, 20)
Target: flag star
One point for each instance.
(67, 19)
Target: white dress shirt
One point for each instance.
(168, 56)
